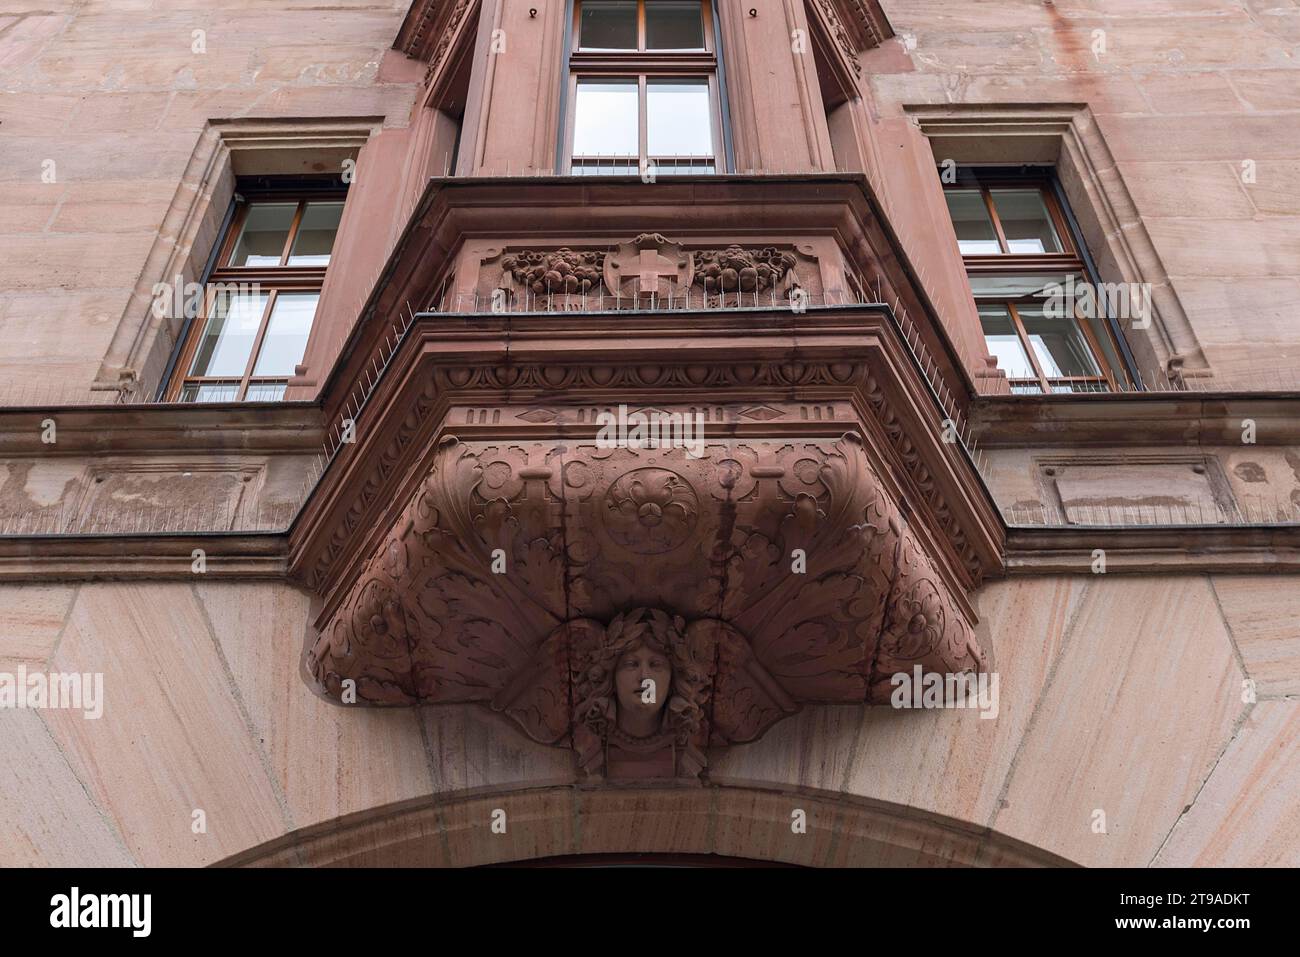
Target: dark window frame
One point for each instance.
(271, 280)
(645, 66)
(1073, 258)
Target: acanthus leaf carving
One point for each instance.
(530, 588)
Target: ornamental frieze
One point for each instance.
(547, 580)
(648, 266)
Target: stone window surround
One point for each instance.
(1067, 136)
(142, 342)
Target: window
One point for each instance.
(257, 308)
(1028, 274)
(643, 88)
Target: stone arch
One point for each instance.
(732, 821)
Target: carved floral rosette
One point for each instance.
(789, 567)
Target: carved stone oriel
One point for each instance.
(760, 575)
(479, 544)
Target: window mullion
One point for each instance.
(997, 223)
(257, 344)
(1094, 346)
(1027, 345)
(643, 115)
(293, 233)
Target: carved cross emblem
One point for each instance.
(649, 265)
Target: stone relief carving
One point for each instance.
(648, 265)
(559, 271)
(735, 269)
(841, 34)
(443, 46)
(528, 575)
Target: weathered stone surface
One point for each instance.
(1247, 814)
(1147, 669)
(1260, 612)
(45, 814)
(31, 619)
(372, 757)
(173, 738)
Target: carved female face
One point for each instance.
(642, 680)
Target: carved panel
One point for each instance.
(628, 273)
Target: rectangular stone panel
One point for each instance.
(1176, 489)
(209, 496)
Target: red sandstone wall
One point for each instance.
(109, 101)
(1189, 96)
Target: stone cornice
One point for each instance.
(419, 31)
(151, 557)
(1198, 418)
(853, 26)
(290, 427)
(1224, 549)
(869, 18)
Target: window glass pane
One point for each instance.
(210, 392)
(1103, 338)
(1058, 344)
(229, 335)
(1025, 221)
(674, 25)
(605, 118)
(261, 241)
(286, 333)
(608, 25)
(970, 218)
(1000, 334)
(265, 391)
(1014, 287)
(680, 122)
(682, 167)
(315, 239)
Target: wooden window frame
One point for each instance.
(1006, 263)
(644, 66)
(270, 280)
